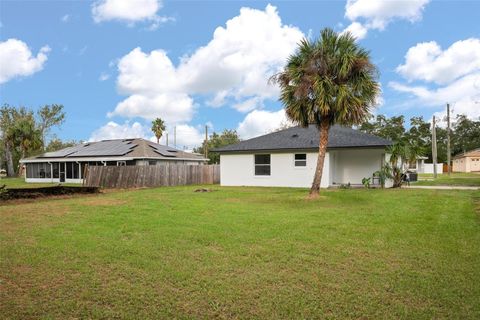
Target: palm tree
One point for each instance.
(158, 126)
(328, 81)
(28, 136)
(401, 153)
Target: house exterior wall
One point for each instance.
(474, 164)
(460, 165)
(340, 167)
(352, 165)
(466, 164)
(238, 170)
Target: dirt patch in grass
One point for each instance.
(15, 202)
(24, 216)
(29, 210)
(103, 201)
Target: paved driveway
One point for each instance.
(442, 187)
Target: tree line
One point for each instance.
(464, 134)
(24, 132)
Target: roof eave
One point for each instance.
(279, 150)
(90, 159)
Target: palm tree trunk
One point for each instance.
(9, 159)
(322, 150)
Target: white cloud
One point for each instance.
(469, 107)
(377, 14)
(249, 104)
(65, 18)
(103, 76)
(465, 87)
(259, 122)
(233, 67)
(451, 75)
(241, 56)
(219, 99)
(357, 30)
(147, 73)
(188, 136)
(154, 88)
(427, 61)
(16, 60)
(129, 11)
(173, 108)
(113, 130)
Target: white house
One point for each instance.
(68, 165)
(288, 158)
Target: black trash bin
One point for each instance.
(413, 176)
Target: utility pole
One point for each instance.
(166, 136)
(206, 141)
(449, 154)
(434, 149)
(175, 136)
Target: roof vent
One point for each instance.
(294, 135)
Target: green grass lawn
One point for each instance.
(20, 183)
(455, 179)
(264, 253)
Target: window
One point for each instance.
(55, 167)
(38, 170)
(69, 173)
(262, 164)
(121, 163)
(300, 160)
(72, 170)
(152, 162)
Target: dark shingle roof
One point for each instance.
(132, 148)
(307, 138)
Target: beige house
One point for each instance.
(467, 162)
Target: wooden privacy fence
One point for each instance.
(151, 176)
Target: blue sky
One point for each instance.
(115, 65)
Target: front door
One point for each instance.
(62, 172)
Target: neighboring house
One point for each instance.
(288, 158)
(417, 165)
(68, 165)
(467, 162)
(420, 166)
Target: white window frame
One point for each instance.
(262, 165)
(299, 160)
(121, 163)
